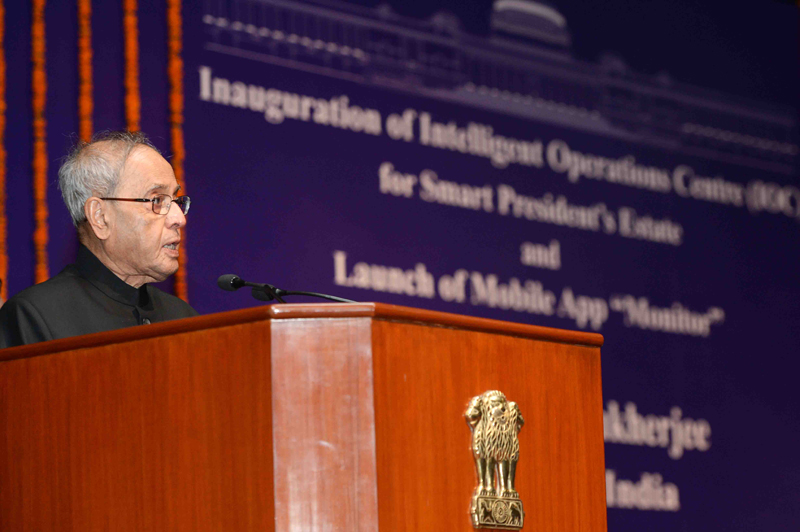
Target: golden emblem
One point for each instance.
(494, 423)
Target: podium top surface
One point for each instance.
(380, 311)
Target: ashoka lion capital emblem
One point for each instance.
(495, 422)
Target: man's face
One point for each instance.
(137, 245)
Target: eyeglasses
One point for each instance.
(161, 202)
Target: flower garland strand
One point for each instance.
(39, 89)
(3, 224)
(85, 86)
(175, 70)
(133, 104)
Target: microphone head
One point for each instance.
(230, 282)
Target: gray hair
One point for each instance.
(93, 168)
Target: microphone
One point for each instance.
(267, 292)
(230, 283)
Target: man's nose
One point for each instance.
(175, 216)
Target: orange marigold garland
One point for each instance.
(85, 87)
(3, 225)
(133, 104)
(175, 70)
(39, 89)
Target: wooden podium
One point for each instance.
(294, 417)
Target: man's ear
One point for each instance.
(98, 217)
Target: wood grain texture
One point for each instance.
(431, 317)
(301, 311)
(323, 420)
(129, 334)
(424, 378)
(356, 409)
(160, 434)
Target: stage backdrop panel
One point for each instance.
(492, 163)
(354, 152)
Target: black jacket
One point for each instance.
(84, 298)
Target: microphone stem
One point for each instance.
(313, 294)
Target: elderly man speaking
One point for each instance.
(123, 199)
